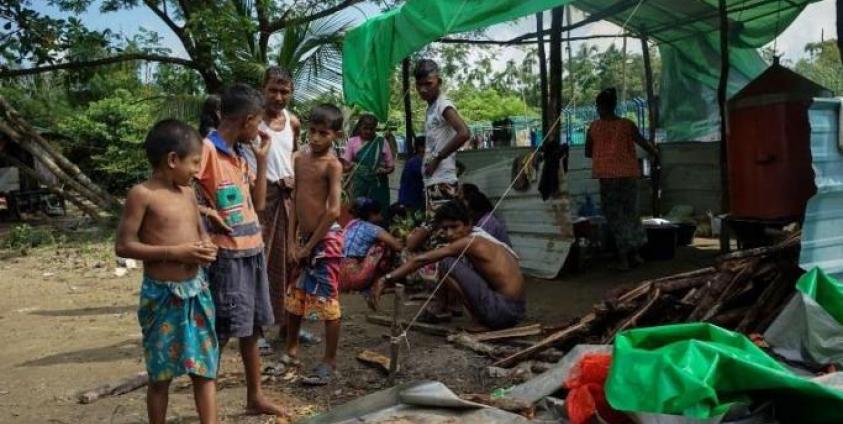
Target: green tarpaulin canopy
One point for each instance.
(687, 33)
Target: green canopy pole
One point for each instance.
(653, 109)
(721, 101)
(408, 110)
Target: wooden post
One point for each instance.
(721, 102)
(623, 70)
(542, 72)
(840, 28)
(395, 343)
(653, 109)
(554, 102)
(408, 110)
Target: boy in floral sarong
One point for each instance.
(161, 227)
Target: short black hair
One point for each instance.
(364, 119)
(170, 135)
(425, 68)
(477, 202)
(418, 142)
(364, 207)
(277, 73)
(240, 100)
(608, 98)
(469, 187)
(209, 117)
(328, 115)
(452, 211)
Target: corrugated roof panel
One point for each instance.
(541, 231)
(822, 232)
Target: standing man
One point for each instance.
(445, 133)
(283, 127)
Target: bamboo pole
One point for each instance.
(48, 162)
(27, 133)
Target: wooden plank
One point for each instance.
(510, 333)
(548, 341)
(125, 386)
(431, 329)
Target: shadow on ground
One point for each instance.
(125, 349)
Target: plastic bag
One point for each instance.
(700, 370)
(586, 396)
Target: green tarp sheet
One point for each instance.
(372, 50)
(687, 33)
(700, 370)
(810, 328)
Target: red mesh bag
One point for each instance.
(586, 397)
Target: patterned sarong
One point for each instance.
(177, 322)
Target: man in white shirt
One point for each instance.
(284, 128)
(445, 132)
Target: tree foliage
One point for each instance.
(823, 65)
(106, 138)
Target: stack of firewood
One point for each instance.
(744, 292)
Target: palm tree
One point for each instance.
(312, 52)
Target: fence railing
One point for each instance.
(526, 130)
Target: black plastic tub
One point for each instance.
(661, 242)
(685, 233)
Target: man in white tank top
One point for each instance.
(283, 127)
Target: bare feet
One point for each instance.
(262, 406)
(375, 294)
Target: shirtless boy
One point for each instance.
(318, 249)
(161, 227)
(488, 278)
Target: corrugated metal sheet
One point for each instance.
(822, 233)
(541, 231)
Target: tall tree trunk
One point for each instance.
(542, 72)
(568, 23)
(549, 183)
(721, 101)
(653, 109)
(408, 109)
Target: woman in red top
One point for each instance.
(610, 143)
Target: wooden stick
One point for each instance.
(431, 329)
(507, 404)
(510, 333)
(395, 342)
(125, 386)
(583, 325)
(633, 320)
(470, 342)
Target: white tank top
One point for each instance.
(279, 161)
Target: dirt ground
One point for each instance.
(68, 324)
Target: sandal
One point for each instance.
(265, 347)
(308, 339)
(322, 375)
(275, 370)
